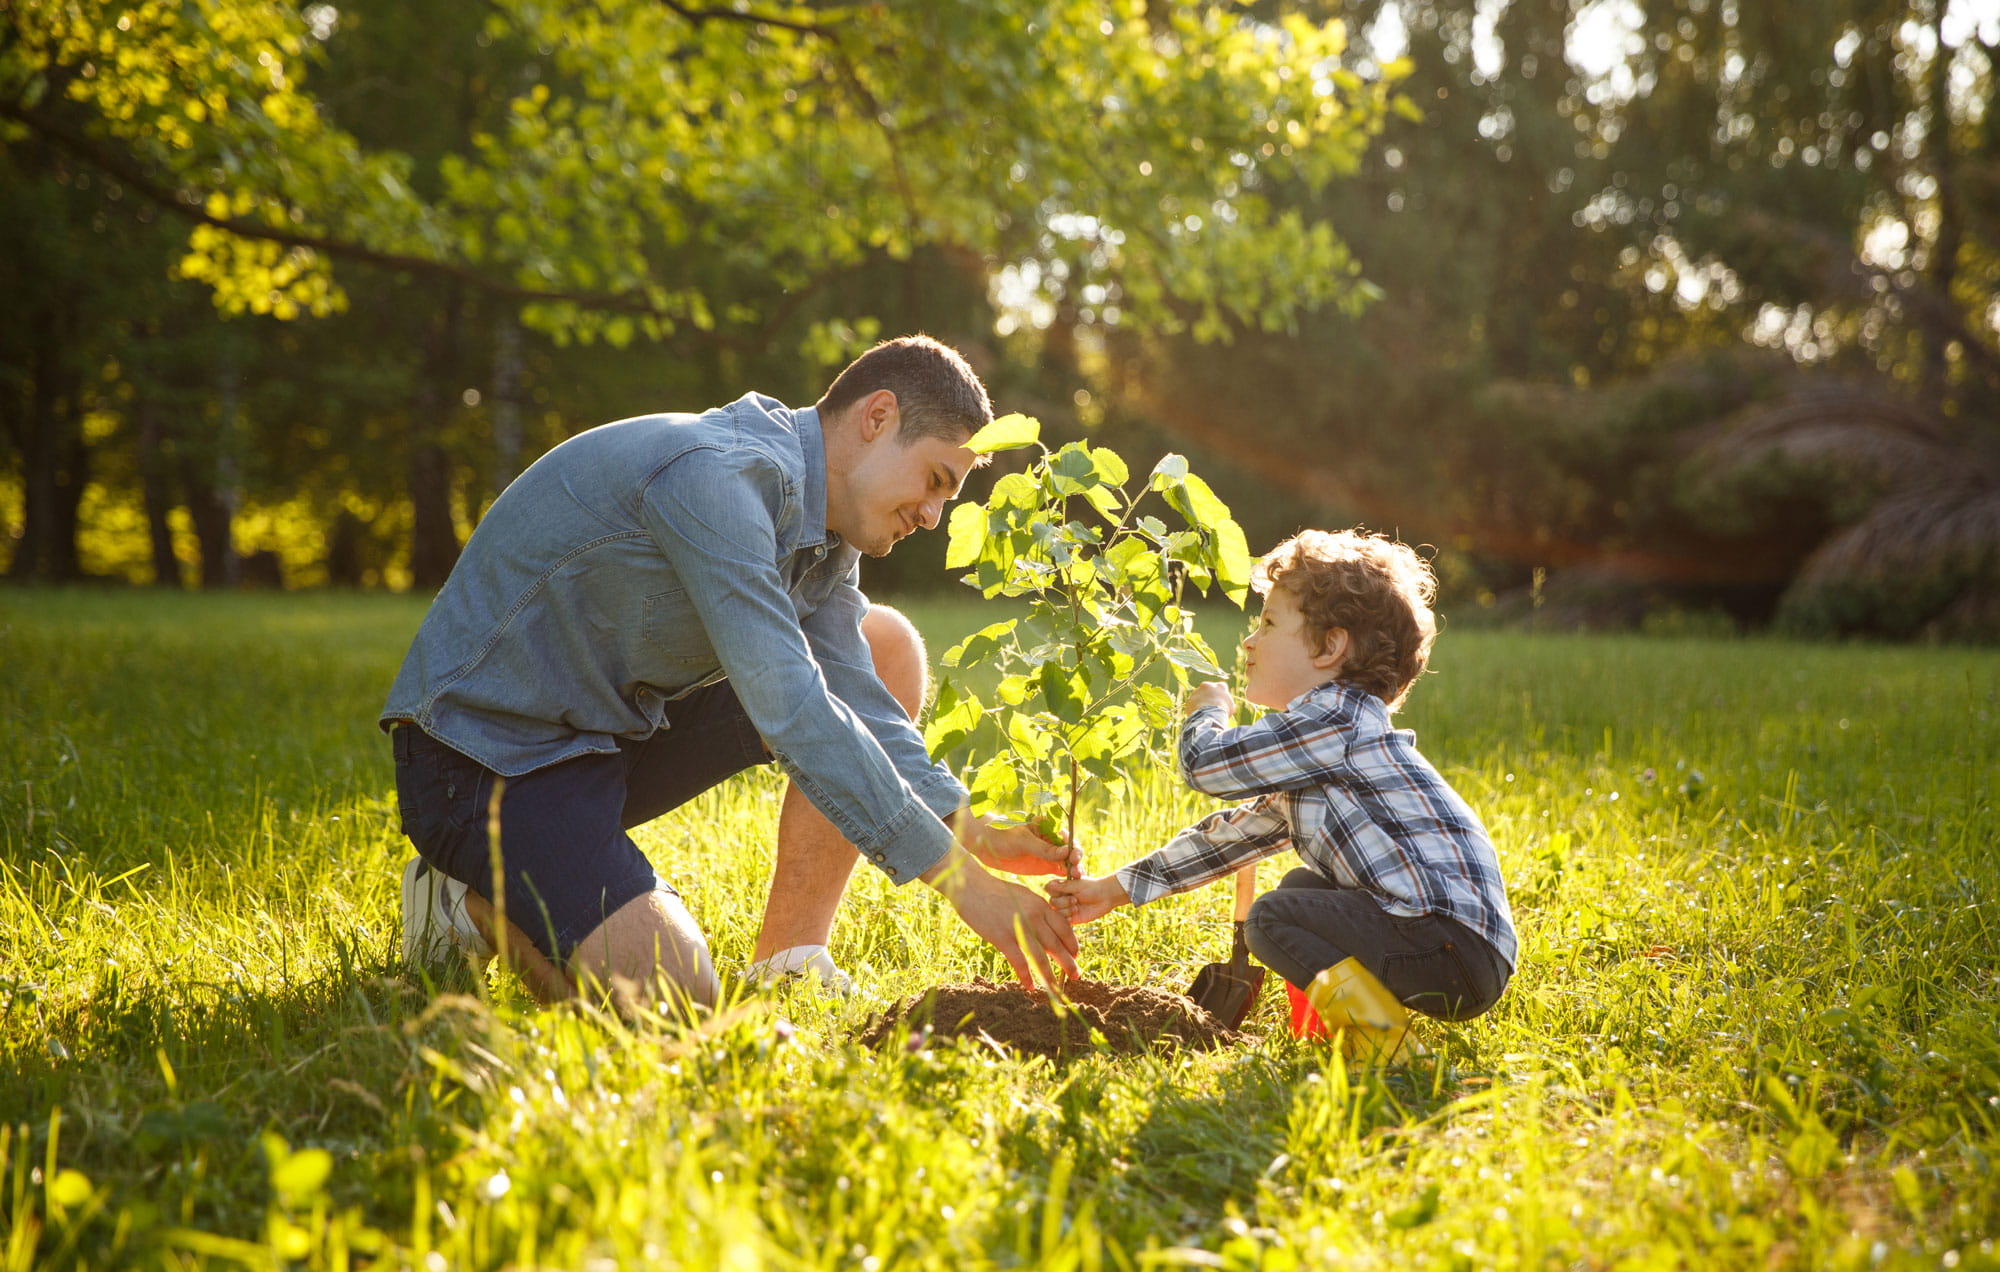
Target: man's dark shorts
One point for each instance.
(567, 860)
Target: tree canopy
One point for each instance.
(1539, 280)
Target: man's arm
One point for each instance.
(713, 512)
(834, 633)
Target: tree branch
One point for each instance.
(156, 191)
(701, 15)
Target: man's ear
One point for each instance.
(880, 415)
(1332, 651)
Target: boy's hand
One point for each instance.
(1083, 900)
(1017, 850)
(1026, 930)
(1209, 693)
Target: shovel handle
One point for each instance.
(1246, 890)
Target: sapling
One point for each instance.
(1090, 674)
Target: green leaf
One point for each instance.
(1196, 657)
(1015, 490)
(1192, 498)
(1111, 469)
(1026, 736)
(1158, 705)
(993, 783)
(1065, 693)
(1014, 690)
(1171, 470)
(1105, 501)
(1233, 563)
(1072, 471)
(1009, 432)
(967, 536)
(953, 718)
(1116, 662)
(978, 646)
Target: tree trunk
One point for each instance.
(53, 466)
(211, 524)
(1942, 270)
(155, 491)
(434, 540)
(506, 404)
(227, 494)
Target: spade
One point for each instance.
(1227, 990)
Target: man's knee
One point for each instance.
(900, 658)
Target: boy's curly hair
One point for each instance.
(1375, 589)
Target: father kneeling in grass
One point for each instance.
(656, 605)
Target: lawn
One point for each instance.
(1754, 1023)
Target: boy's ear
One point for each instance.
(1332, 651)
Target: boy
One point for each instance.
(1399, 875)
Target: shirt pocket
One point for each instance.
(675, 639)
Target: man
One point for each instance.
(660, 603)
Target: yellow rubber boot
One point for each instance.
(1373, 1025)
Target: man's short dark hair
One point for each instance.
(937, 393)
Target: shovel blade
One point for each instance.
(1227, 991)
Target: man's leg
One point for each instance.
(814, 861)
(649, 938)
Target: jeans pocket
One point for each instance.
(440, 795)
(463, 788)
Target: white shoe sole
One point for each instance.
(435, 925)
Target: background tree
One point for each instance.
(687, 175)
(1606, 211)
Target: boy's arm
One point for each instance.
(1208, 850)
(1285, 750)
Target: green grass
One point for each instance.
(1754, 1023)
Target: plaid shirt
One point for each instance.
(1328, 777)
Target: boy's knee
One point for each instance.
(900, 659)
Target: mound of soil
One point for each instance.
(1128, 1018)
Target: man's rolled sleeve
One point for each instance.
(834, 633)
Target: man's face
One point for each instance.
(892, 489)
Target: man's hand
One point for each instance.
(1017, 850)
(1026, 930)
(1082, 900)
(1209, 693)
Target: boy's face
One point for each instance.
(1281, 660)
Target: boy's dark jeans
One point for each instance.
(1431, 963)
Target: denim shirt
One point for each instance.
(642, 559)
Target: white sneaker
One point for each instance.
(799, 963)
(435, 923)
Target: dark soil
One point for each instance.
(1127, 1018)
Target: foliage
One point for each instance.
(1752, 1024)
(632, 160)
(722, 183)
(1697, 181)
(1913, 499)
(1105, 610)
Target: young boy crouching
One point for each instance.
(1399, 875)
